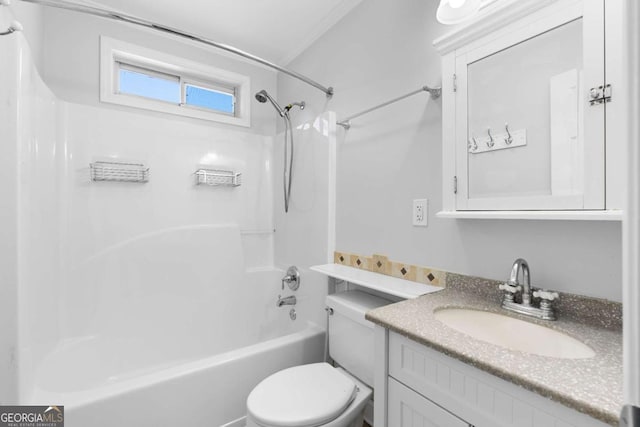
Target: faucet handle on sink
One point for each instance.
(545, 295)
(508, 287)
(510, 290)
(546, 303)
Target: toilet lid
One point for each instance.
(302, 396)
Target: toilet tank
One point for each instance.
(350, 334)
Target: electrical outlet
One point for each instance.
(420, 212)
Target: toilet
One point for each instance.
(319, 395)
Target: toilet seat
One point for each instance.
(302, 396)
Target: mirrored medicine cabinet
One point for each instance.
(527, 90)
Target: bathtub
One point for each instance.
(149, 340)
(207, 392)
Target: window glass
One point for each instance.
(149, 85)
(209, 98)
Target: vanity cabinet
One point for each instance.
(419, 386)
(527, 89)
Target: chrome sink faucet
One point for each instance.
(521, 264)
(526, 306)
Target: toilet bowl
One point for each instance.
(319, 395)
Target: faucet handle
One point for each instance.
(545, 295)
(508, 287)
(292, 279)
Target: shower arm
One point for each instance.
(117, 16)
(433, 92)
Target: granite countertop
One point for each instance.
(592, 386)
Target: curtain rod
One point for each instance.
(434, 92)
(116, 16)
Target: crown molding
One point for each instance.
(495, 15)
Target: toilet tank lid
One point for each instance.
(354, 304)
(302, 396)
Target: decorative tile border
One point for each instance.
(381, 264)
(599, 312)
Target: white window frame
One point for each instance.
(115, 52)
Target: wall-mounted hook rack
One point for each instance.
(490, 141)
(473, 144)
(509, 139)
(501, 141)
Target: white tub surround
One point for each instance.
(120, 295)
(29, 216)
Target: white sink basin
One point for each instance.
(513, 334)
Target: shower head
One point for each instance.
(263, 96)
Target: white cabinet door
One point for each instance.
(476, 396)
(527, 137)
(409, 409)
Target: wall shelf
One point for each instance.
(215, 178)
(604, 215)
(379, 282)
(118, 171)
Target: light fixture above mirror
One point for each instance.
(455, 11)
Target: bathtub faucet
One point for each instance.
(286, 301)
(292, 279)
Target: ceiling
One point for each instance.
(277, 30)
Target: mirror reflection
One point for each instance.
(525, 118)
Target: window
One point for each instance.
(167, 88)
(142, 78)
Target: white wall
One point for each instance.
(39, 220)
(98, 218)
(305, 235)
(71, 70)
(381, 50)
(29, 220)
(56, 220)
(100, 215)
(32, 19)
(71, 57)
(8, 219)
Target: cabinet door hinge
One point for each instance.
(455, 83)
(600, 94)
(455, 185)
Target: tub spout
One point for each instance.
(286, 301)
